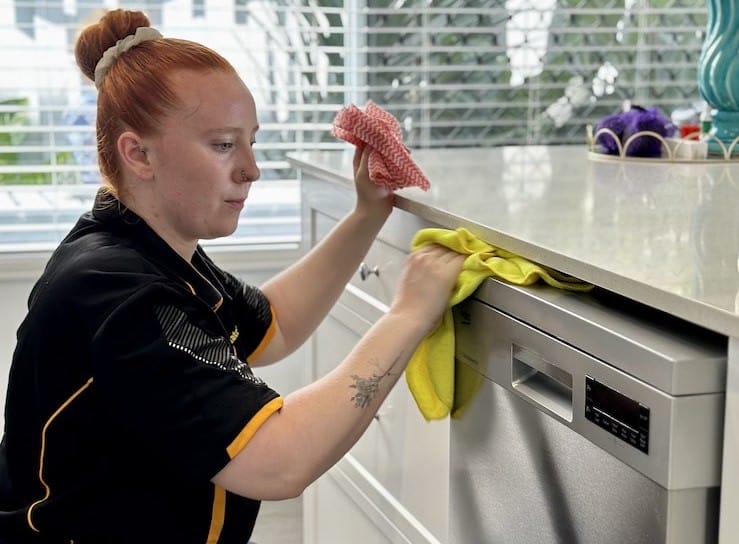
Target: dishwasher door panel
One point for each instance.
(553, 377)
(520, 476)
(552, 444)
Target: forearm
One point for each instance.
(319, 423)
(303, 294)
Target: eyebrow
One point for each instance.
(228, 130)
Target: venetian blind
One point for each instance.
(454, 72)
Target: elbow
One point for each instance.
(294, 492)
(275, 488)
(279, 489)
(294, 485)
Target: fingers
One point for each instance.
(361, 165)
(440, 266)
(428, 281)
(445, 257)
(373, 199)
(361, 158)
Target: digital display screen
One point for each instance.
(613, 403)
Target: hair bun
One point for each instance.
(98, 37)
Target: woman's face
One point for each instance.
(202, 160)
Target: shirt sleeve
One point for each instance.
(172, 386)
(248, 307)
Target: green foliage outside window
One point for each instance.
(14, 116)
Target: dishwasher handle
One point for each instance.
(542, 382)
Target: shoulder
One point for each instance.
(96, 273)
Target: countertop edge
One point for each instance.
(709, 317)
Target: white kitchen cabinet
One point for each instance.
(393, 486)
(661, 235)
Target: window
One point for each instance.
(454, 72)
(48, 171)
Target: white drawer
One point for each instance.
(380, 270)
(378, 273)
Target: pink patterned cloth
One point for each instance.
(390, 162)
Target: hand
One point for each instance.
(426, 285)
(373, 199)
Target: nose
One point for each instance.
(248, 171)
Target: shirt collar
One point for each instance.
(121, 221)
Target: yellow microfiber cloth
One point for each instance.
(430, 372)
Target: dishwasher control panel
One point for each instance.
(618, 414)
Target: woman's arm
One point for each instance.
(303, 294)
(319, 423)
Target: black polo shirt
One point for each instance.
(130, 389)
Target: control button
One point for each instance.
(638, 438)
(643, 417)
(615, 427)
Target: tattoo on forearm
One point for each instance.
(367, 387)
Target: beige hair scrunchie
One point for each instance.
(142, 34)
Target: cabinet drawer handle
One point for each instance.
(365, 271)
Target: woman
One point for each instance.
(132, 413)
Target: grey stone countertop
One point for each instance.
(662, 233)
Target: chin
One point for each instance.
(220, 233)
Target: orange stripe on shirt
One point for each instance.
(218, 516)
(267, 337)
(254, 423)
(44, 430)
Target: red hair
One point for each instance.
(137, 90)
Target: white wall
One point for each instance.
(13, 293)
(17, 280)
(291, 373)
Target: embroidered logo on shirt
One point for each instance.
(181, 334)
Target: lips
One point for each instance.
(237, 204)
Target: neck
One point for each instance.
(148, 213)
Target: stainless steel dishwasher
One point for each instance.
(585, 419)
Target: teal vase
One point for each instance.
(718, 72)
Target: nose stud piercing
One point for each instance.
(244, 177)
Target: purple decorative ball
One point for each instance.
(616, 123)
(651, 119)
(628, 123)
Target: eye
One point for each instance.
(223, 146)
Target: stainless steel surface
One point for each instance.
(521, 477)
(529, 467)
(666, 352)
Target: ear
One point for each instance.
(133, 155)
